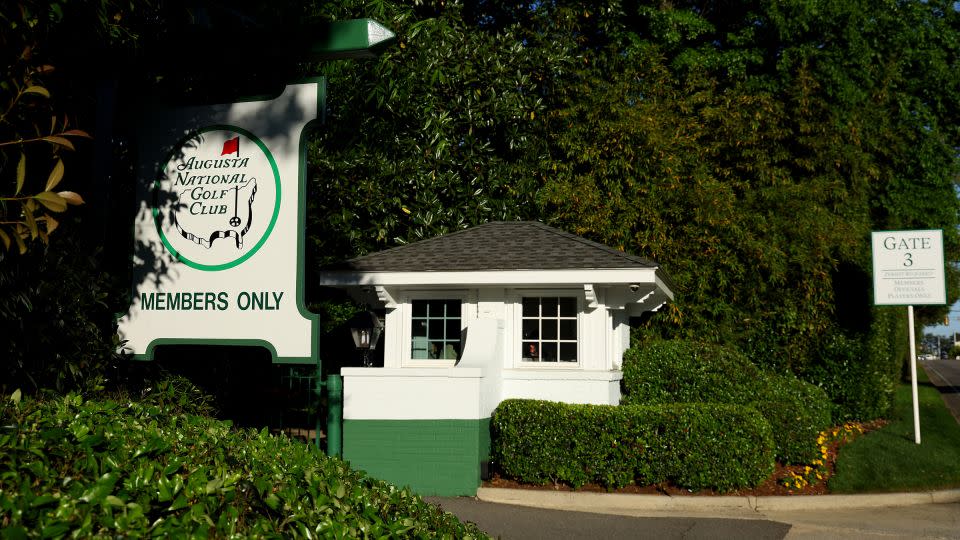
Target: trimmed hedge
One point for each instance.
(85, 469)
(696, 446)
(675, 371)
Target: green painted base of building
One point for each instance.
(432, 457)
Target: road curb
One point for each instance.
(624, 502)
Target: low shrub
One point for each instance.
(86, 469)
(680, 371)
(675, 371)
(696, 446)
(798, 412)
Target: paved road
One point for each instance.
(945, 374)
(511, 522)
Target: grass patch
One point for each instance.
(889, 460)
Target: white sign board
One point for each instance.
(908, 268)
(218, 233)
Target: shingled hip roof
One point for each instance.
(500, 246)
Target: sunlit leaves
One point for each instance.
(83, 468)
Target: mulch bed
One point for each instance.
(770, 487)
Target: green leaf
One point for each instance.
(51, 200)
(180, 502)
(44, 500)
(55, 530)
(60, 141)
(56, 175)
(213, 485)
(21, 246)
(15, 532)
(52, 223)
(15, 397)
(37, 90)
(21, 172)
(5, 238)
(30, 221)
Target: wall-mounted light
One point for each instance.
(365, 329)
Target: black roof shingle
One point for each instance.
(498, 245)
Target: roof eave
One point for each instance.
(503, 278)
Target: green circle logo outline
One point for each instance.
(276, 206)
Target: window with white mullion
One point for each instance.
(549, 329)
(435, 329)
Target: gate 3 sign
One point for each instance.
(908, 268)
(218, 251)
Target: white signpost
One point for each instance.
(218, 255)
(907, 271)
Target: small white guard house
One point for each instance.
(502, 310)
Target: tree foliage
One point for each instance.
(748, 146)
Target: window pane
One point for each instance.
(531, 329)
(436, 329)
(568, 352)
(548, 328)
(568, 307)
(531, 307)
(549, 307)
(436, 308)
(436, 350)
(453, 329)
(568, 329)
(549, 352)
(451, 350)
(419, 308)
(419, 350)
(530, 351)
(453, 308)
(419, 328)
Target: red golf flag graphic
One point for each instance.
(231, 146)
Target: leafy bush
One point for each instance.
(696, 446)
(860, 376)
(680, 371)
(674, 371)
(102, 468)
(57, 319)
(178, 395)
(797, 411)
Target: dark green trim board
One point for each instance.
(432, 457)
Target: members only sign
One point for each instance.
(908, 268)
(218, 255)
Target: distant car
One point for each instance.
(928, 357)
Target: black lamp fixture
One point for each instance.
(365, 328)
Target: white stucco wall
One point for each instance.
(489, 370)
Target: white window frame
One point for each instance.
(407, 298)
(515, 299)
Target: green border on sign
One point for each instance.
(873, 269)
(314, 358)
(276, 207)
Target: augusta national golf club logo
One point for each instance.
(217, 198)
